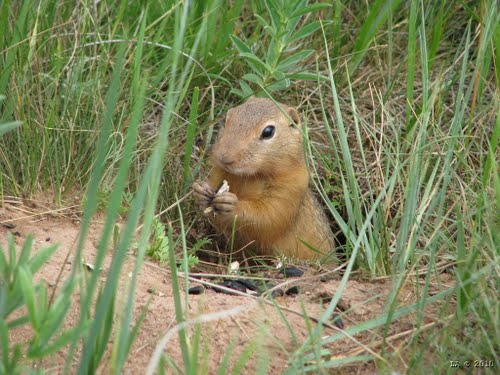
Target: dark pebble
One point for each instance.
(292, 272)
(337, 321)
(249, 285)
(292, 290)
(231, 284)
(325, 279)
(277, 292)
(237, 285)
(197, 289)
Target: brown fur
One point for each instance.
(268, 184)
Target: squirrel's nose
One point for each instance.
(226, 159)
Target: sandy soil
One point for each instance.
(364, 299)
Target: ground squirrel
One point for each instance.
(260, 154)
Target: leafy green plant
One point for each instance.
(280, 65)
(158, 247)
(45, 317)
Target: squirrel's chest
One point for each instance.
(246, 188)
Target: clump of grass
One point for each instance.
(18, 291)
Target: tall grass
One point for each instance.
(116, 99)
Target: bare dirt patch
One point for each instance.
(362, 300)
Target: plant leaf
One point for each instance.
(294, 59)
(237, 92)
(26, 282)
(252, 78)
(309, 8)
(308, 76)
(305, 31)
(246, 89)
(25, 251)
(41, 257)
(280, 85)
(240, 45)
(4, 267)
(69, 336)
(262, 22)
(254, 59)
(273, 10)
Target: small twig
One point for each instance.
(39, 214)
(222, 276)
(70, 250)
(11, 200)
(175, 204)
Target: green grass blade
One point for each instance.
(188, 147)
(9, 126)
(412, 48)
(377, 16)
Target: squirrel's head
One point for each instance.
(259, 138)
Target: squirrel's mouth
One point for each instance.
(231, 165)
(236, 170)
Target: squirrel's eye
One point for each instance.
(268, 132)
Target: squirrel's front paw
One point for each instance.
(203, 193)
(224, 203)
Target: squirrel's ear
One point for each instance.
(294, 115)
